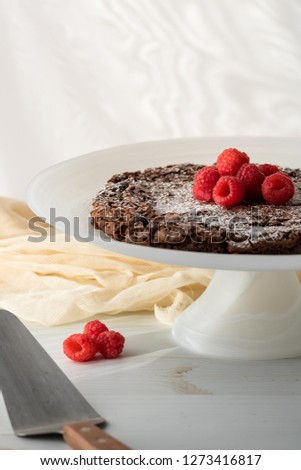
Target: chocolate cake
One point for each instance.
(156, 207)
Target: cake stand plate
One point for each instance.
(252, 307)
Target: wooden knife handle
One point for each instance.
(87, 436)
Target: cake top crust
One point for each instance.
(166, 193)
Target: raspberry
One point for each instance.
(228, 191)
(267, 169)
(110, 344)
(79, 347)
(277, 188)
(230, 161)
(94, 328)
(252, 178)
(205, 180)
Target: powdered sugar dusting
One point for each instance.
(177, 198)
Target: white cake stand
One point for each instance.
(252, 307)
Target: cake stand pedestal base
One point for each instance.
(244, 315)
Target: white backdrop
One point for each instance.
(81, 75)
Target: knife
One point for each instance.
(40, 399)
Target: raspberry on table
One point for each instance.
(277, 188)
(110, 344)
(94, 328)
(252, 178)
(267, 169)
(230, 161)
(204, 182)
(228, 191)
(79, 347)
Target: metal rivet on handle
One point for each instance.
(85, 429)
(101, 440)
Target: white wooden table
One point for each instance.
(159, 396)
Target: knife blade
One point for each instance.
(39, 398)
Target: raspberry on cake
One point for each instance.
(277, 189)
(252, 179)
(268, 169)
(230, 160)
(228, 191)
(204, 182)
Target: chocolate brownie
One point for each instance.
(155, 207)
